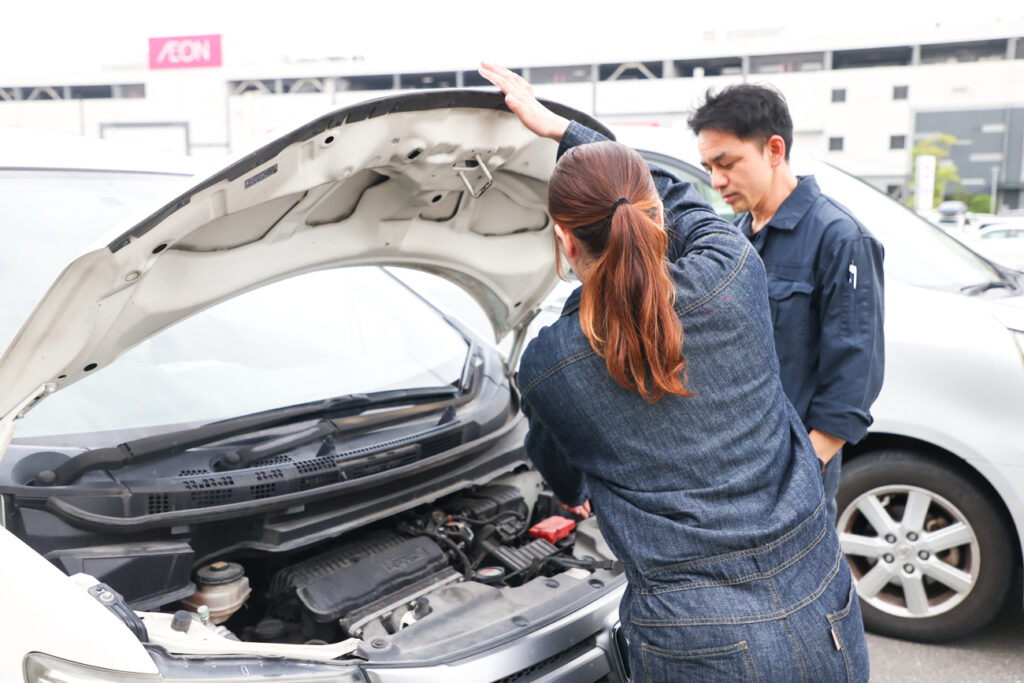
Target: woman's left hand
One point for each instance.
(580, 510)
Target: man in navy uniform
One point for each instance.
(824, 268)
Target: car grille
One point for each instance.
(550, 664)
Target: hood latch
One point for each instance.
(477, 165)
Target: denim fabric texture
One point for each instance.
(825, 288)
(713, 503)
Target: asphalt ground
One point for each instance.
(992, 655)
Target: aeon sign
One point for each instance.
(183, 52)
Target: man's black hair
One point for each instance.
(750, 112)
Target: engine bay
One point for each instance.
(486, 553)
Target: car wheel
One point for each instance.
(931, 556)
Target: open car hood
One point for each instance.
(447, 181)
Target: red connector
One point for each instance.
(552, 529)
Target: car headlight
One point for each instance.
(43, 668)
(40, 668)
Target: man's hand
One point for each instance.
(825, 445)
(520, 99)
(581, 510)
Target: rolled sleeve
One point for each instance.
(550, 459)
(851, 358)
(577, 134)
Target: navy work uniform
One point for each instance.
(825, 288)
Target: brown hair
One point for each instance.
(626, 308)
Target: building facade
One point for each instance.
(860, 102)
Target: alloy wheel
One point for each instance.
(912, 553)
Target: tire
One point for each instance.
(931, 556)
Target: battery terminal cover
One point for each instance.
(552, 529)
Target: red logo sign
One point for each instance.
(182, 52)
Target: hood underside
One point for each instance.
(448, 181)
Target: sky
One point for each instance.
(66, 36)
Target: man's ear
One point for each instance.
(568, 242)
(776, 150)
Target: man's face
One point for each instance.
(741, 170)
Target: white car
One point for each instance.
(1000, 241)
(234, 447)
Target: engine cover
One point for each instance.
(331, 597)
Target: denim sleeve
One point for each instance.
(851, 357)
(568, 483)
(692, 225)
(577, 134)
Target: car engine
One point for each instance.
(380, 580)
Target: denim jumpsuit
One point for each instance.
(713, 503)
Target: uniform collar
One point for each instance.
(797, 204)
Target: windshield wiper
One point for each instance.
(337, 427)
(972, 290)
(162, 445)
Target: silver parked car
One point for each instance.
(931, 502)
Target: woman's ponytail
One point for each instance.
(626, 307)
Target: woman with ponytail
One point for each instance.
(656, 397)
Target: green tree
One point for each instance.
(945, 173)
(979, 203)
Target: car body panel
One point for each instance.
(390, 182)
(938, 346)
(75, 624)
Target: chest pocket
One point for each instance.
(790, 302)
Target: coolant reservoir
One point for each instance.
(223, 587)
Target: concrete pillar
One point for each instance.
(460, 80)
(396, 81)
(745, 66)
(1011, 49)
(915, 55)
(278, 86)
(668, 69)
(827, 61)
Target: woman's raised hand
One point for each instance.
(520, 99)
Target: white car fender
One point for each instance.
(48, 612)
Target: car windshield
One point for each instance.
(916, 252)
(313, 336)
(303, 339)
(50, 216)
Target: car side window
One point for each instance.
(695, 177)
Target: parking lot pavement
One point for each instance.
(996, 653)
